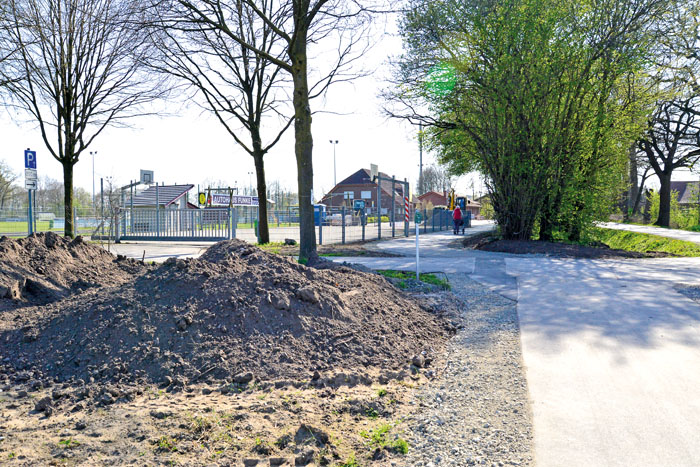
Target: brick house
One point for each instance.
(359, 186)
(434, 198)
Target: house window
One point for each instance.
(349, 195)
(366, 195)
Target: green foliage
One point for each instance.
(165, 443)
(403, 275)
(382, 392)
(643, 243)
(69, 443)
(350, 462)
(400, 446)
(681, 218)
(540, 102)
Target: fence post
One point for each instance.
(235, 221)
(320, 228)
(30, 215)
(425, 222)
(230, 213)
(157, 212)
(342, 222)
(363, 221)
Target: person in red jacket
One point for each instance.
(457, 218)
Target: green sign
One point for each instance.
(418, 217)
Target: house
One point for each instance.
(142, 214)
(166, 196)
(432, 198)
(688, 193)
(472, 206)
(359, 186)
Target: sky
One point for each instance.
(192, 146)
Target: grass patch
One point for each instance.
(644, 243)
(403, 276)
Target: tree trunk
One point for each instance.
(263, 229)
(303, 149)
(69, 230)
(664, 219)
(633, 191)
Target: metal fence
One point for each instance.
(334, 226)
(14, 222)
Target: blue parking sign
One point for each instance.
(29, 159)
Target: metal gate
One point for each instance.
(176, 224)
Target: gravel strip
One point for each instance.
(477, 412)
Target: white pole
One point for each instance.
(417, 256)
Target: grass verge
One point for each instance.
(644, 243)
(402, 276)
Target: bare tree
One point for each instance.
(7, 183)
(78, 68)
(436, 178)
(296, 24)
(242, 88)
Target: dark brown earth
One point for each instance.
(237, 357)
(488, 242)
(45, 267)
(234, 314)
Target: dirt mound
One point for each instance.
(45, 267)
(234, 314)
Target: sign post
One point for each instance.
(418, 219)
(30, 183)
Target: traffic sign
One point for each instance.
(30, 159)
(30, 184)
(202, 198)
(418, 217)
(30, 174)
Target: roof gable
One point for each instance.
(688, 191)
(167, 195)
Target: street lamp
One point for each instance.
(93, 154)
(335, 144)
(250, 183)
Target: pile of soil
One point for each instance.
(488, 242)
(45, 267)
(234, 314)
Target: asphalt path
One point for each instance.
(611, 351)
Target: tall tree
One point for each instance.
(528, 91)
(436, 178)
(672, 142)
(78, 68)
(297, 24)
(242, 88)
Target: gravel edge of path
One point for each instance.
(478, 411)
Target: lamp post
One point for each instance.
(335, 144)
(250, 183)
(93, 154)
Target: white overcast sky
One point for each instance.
(193, 147)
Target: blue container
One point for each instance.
(319, 213)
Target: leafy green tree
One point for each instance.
(531, 93)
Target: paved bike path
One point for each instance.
(611, 352)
